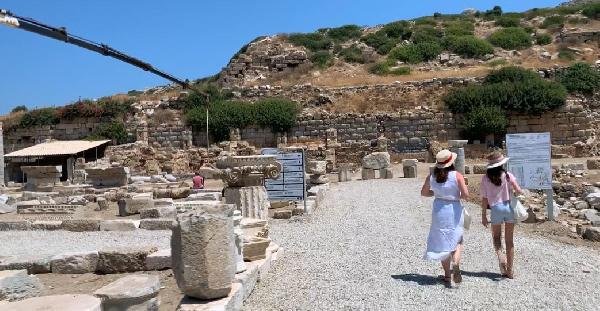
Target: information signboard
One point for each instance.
(530, 159)
(291, 184)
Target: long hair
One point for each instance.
(441, 174)
(495, 175)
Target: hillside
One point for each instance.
(442, 45)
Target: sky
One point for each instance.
(188, 39)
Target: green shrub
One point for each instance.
(592, 10)
(459, 28)
(344, 33)
(114, 130)
(493, 13)
(380, 42)
(426, 21)
(416, 53)
(386, 68)
(581, 78)
(321, 59)
(312, 41)
(543, 39)
(37, 117)
(468, 46)
(484, 120)
(511, 89)
(207, 93)
(577, 20)
(553, 22)
(398, 30)
(19, 109)
(565, 54)
(352, 54)
(426, 33)
(507, 21)
(277, 114)
(511, 38)
(511, 74)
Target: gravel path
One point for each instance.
(362, 251)
(42, 244)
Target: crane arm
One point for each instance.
(61, 34)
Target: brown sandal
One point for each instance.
(456, 274)
(503, 270)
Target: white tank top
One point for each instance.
(447, 190)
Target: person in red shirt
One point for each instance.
(198, 181)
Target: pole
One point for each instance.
(304, 182)
(207, 142)
(550, 203)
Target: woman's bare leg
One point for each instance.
(497, 239)
(510, 248)
(456, 255)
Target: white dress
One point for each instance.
(446, 219)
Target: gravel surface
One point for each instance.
(41, 244)
(362, 250)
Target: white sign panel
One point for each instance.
(530, 159)
(291, 182)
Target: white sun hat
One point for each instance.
(496, 159)
(445, 158)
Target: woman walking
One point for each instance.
(445, 241)
(495, 193)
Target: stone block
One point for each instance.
(164, 202)
(157, 224)
(117, 225)
(592, 234)
(81, 225)
(284, 214)
(15, 225)
(48, 225)
(376, 160)
(33, 264)
(368, 173)
(232, 302)
(594, 200)
(203, 250)
(108, 177)
(386, 173)
(103, 203)
(123, 260)
(159, 260)
(75, 263)
(18, 285)
(133, 205)
(205, 196)
(409, 171)
(344, 174)
(319, 179)
(133, 292)
(593, 164)
(7, 208)
(159, 212)
(69, 302)
(479, 169)
(255, 248)
(316, 167)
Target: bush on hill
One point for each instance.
(468, 46)
(581, 78)
(511, 38)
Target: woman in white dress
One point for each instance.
(445, 241)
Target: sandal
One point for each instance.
(503, 270)
(447, 280)
(456, 274)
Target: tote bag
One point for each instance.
(519, 210)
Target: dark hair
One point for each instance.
(441, 174)
(197, 173)
(495, 175)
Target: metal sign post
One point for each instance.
(291, 184)
(530, 162)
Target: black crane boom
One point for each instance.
(61, 34)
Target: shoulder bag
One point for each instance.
(519, 210)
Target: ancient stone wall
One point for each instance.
(175, 134)
(15, 139)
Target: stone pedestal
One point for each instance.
(386, 173)
(368, 173)
(344, 173)
(202, 246)
(108, 177)
(376, 160)
(252, 201)
(409, 168)
(41, 178)
(457, 146)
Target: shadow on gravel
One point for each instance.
(482, 274)
(418, 278)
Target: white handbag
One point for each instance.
(519, 210)
(466, 218)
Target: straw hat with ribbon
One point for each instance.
(496, 159)
(445, 158)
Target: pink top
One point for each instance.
(198, 182)
(496, 194)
